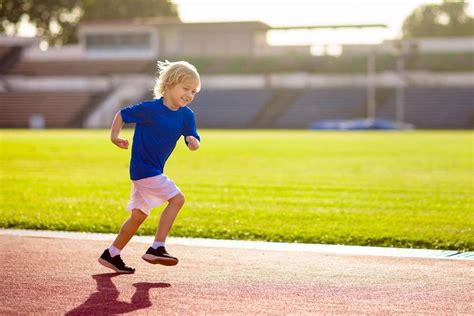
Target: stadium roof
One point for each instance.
(9, 41)
(175, 21)
(134, 21)
(171, 21)
(335, 26)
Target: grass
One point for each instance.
(402, 189)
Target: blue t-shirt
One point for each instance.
(157, 130)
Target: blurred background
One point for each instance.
(264, 64)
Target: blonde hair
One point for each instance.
(171, 73)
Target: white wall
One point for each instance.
(420, 45)
(67, 52)
(295, 80)
(59, 83)
(444, 45)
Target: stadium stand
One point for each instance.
(4, 51)
(58, 109)
(9, 58)
(82, 67)
(228, 108)
(60, 87)
(278, 104)
(434, 107)
(322, 104)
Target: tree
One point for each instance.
(125, 9)
(447, 19)
(56, 20)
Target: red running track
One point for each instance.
(60, 276)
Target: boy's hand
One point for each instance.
(193, 143)
(121, 143)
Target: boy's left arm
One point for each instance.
(191, 136)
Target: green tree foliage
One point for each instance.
(125, 9)
(56, 20)
(447, 19)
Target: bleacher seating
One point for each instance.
(4, 51)
(323, 104)
(228, 108)
(9, 56)
(83, 67)
(434, 107)
(58, 109)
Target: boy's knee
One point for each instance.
(138, 216)
(178, 199)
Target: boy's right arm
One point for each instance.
(117, 125)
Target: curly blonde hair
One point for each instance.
(171, 73)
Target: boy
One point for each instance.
(159, 125)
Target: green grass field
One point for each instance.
(402, 189)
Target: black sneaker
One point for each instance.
(116, 263)
(159, 256)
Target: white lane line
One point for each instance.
(259, 245)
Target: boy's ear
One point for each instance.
(167, 87)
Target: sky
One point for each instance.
(309, 12)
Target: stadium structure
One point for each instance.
(246, 83)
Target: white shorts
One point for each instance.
(151, 192)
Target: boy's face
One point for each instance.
(181, 94)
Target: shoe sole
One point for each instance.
(159, 260)
(107, 264)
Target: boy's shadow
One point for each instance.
(105, 302)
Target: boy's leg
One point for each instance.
(157, 254)
(168, 216)
(129, 228)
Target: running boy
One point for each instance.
(159, 125)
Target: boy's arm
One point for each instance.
(191, 136)
(117, 125)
